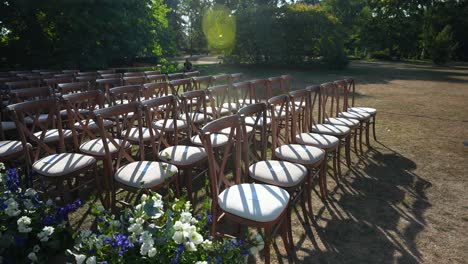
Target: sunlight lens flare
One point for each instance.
(219, 27)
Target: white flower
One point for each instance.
(46, 232)
(195, 238)
(36, 248)
(32, 256)
(178, 237)
(116, 223)
(12, 207)
(49, 202)
(87, 233)
(190, 246)
(207, 245)
(23, 223)
(30, 192)
(143, 198)
(2, 166)
(253, 250)
(28, 204)
(185, 217)
(91, 260)
(187, 206)
(152, 252)
(80, 258)
(201, 262)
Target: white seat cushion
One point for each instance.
(95, 147)
(258, 202)
(92, 125)
(195, 117)
(227, 131)
(222, 111)
(329, 129)
(279, 173)
(232, 106)
(181, 124)
(250, 121)
(42, 118)
(135, 133)
(10, 147)
(150, 173)
(52, 135)
(318, 140)
(243, 102)
(355, 115)
(182, 155)
(217, 140)
(62, 164)
(302, 154)
(369, 110)
(349, 122)
(8, 125)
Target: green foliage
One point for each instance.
(297, 34)
(83, 34)
(442, 46)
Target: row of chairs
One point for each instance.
(300, 146)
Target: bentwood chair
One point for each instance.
(301, 135)
(132, 174)
(111, 75)
(49, 160)
(256, 205)
(76, 87)
(134, 80)
(280, 84)
(202, 82)
(134, 74)
(187, 158)
(218, 100)
(191, 74)
(331, 108)
(283, 148)
(159, 78)
(148, 73)
(343, 133)
(261, 90)
(105, 85)
(350, 92)
(102, 72)
(154, 90)
(244, 94)
(175, 76)
(30, 94)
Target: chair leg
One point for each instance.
(373, 127)
(308, 193)
(361, 128)
(267, 244)
(286, 234)
(189, 184)
(355, 135)
(323, 179)
(338, 161)
(348, 150)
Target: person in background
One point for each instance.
(187, 66)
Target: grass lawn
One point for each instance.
(405, 200)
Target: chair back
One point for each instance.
(191, 74)
(148, 73)
(279, 110)
(175, 76)
(157, 78)
(202, 82)
(29, 94)
(134, 80)
(252, 147)
(125, 94)
(110, 75)
(180, 86)
(219, 98)
(218, 161)
(76, 87)
(244, 94)
(315, 106)
(221, 79)
(134, 74)
(194, 102)
(154, 90)
(261, 90)
(329, 100)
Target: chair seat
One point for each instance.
(278, 173)
(181, 124)
(318, 140)
(42, 118)
(342, 121)
(227, 131)
(196, 118)
(144, 174)
(217, 140)
(222, 111)
(52, 135)
(232, 106)
(361, 116)
(302, 154)
(329, 129)
(250, 121)
(95, 147)
(62, 164)
(369, 110)
(10, 147)
(92, 125)
(134, 134)
(257, 202)
(183, 155)
(8, 125)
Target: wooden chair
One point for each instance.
(202, 82)
(175, 76)
(91, 79)
(110, 75)
(134, 80)
(148, 73)
(180, 86)
(221, 79)
(154, 90)
(127, 172)
(89, 73)
(74, 72)
(125, 94)
(54, 82)
(279, 85)
(49, 160)
(300, 99)
(76, 87)
(104, 85)
(156, 78)
(260, 90)
(219, 104)
(65, 75)
(256, 205)
(244, 94)
(350, 92)
(191, 74)
(134, 74)
(102, 72)
(196, 115)
(22, 84)
(187, 158)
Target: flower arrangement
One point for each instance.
(30, 230)
(147, 233)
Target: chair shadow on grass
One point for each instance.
(373, 216)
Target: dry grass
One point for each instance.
(405, 200)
